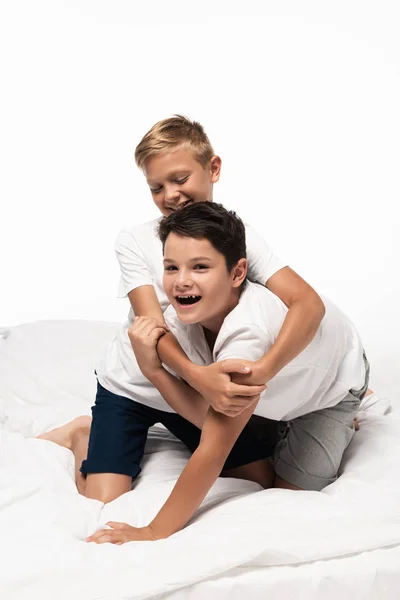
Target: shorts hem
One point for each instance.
(88, 469)
(302, 480)
(242, 462)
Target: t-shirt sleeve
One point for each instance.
(248, 342)
(135, 271)
(262, 262)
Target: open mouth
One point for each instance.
(187, 300)
(182, 205)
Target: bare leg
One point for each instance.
(285, 485)
(106, 487)
(259, 471)
(100, 486)
(74, 436)
(80, 445)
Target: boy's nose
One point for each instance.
(171, 194)
(182, 281)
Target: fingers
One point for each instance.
(116, 525)
(116, 535)
(234, 366)
(239, 405)
(106, 536)
(148, 322)
(246, 390)
(144, 327)
(156, 333)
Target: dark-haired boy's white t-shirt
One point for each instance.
(319, 377)
(318, 392)
(140, 257)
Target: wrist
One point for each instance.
(266, 368)
(193, 375)
(151, 533)
(155, 533)
(154, 374)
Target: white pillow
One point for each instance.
(47, 372)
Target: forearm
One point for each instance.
(299, 328)
(190, 490)
(186, 401)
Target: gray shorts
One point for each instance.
(312, 446)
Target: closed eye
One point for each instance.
(181, 181)
(156, 190)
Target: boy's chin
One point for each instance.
(187, 317)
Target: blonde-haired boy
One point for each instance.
(181, 168)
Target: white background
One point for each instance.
(300, 98)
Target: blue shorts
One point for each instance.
(119, 431)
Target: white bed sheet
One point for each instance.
(336, 542)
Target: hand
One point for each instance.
(122, 533)
(214, 383)
(144, 334)
(258, 373)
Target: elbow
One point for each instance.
(315, 306)
(213, 454)
(319, 308)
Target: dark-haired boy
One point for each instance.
(216, 314)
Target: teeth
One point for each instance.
(187, 296)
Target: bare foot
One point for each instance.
(64, 435)
(356, 423)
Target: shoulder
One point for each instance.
(139, 231)
(255, 304)
(247, 316)
(143, 235)
(254, 237)
(258, 315)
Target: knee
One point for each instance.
(106, 487)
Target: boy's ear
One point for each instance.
(215, 168)
(239, 272)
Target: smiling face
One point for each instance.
(177, 179)
(198, 283)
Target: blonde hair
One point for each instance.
(170, 133)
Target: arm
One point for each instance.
(213, 382)
(144, 335)
(218, 437)
(305, 312)
(205, 465)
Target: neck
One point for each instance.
(213, 325)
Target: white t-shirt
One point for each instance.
(139, 252)
(318, 377)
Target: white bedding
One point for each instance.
(334, 542)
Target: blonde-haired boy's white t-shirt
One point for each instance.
(319, 377)
(139, 252)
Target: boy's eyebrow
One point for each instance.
(195, 259)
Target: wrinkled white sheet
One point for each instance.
(46, 378)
